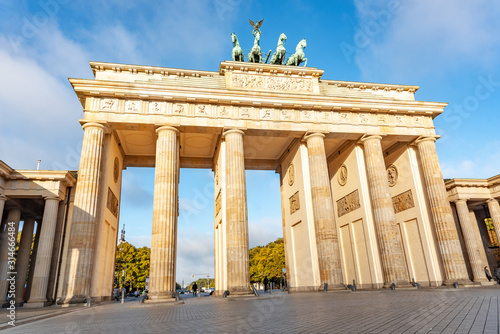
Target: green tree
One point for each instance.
(135, 263)
(267, 261)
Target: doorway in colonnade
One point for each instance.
(195, 229)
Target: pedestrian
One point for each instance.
(265, 283)
(195, 289)
(497, 274)
(488, 274)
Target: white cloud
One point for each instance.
(426, 37)
(263, 231)
(482, 163)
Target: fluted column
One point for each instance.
(238, 271)
(23, 257)
(164, 238)
(324, 216)
(8, 246)
(3, 199)
(389, 237)
(76, 287)
(444, 225)
(470, 241)
(44, 252)
(494, 208)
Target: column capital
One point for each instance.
(367, 137)
(426, 138)
(461, 200)
(227, 131)
(491, 200)
(313, 134)
(95, 125)
(51, 198)
(161, 128)
(3, 198)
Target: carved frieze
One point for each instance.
(294, 203)
(392, 175)
(266, 114)
(180, 109)
(272, 82)
(218, 203)
(108, 104)
(245, 112)
(132, 106)
(348, 203)
(112, 203)
(156, 107)
(403, 201)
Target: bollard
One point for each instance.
(325, 287)
(353, 286)
(393, 286)
(226, 293)
(415, 284)
(88, 302)
(455, 285)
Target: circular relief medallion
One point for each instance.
(116, 170)
(392, 175)
(342, 176)
(291, 174)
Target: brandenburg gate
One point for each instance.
(362, 193)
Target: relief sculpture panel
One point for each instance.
(112, 203)
(403, 201)
(272, 82)
(348, 203)
(294, 203)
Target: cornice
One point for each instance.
(372, 86)
(44, 175)
(5, 169)
(150, 70)
(238, 66)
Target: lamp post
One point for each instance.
(122, 240)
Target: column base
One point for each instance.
(36, 304)
(71, 300)
(240, 291)
(399, 284)
(461, 282)
(163, 295)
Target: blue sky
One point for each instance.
(451, 49)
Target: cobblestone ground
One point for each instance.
(425, 311)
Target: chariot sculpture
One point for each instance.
(278, 57)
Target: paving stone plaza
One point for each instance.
(474, 310)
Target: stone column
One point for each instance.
(8, 245)
(3, 199)
(444, 225)
(470, 241)
(23, 257)
(389, 237)
(324, 216)
(38, 295)
(494, 208)
(238, 271)
(164, 238)
(78, 271)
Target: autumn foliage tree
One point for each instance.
(135, 263)
(267, 261)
